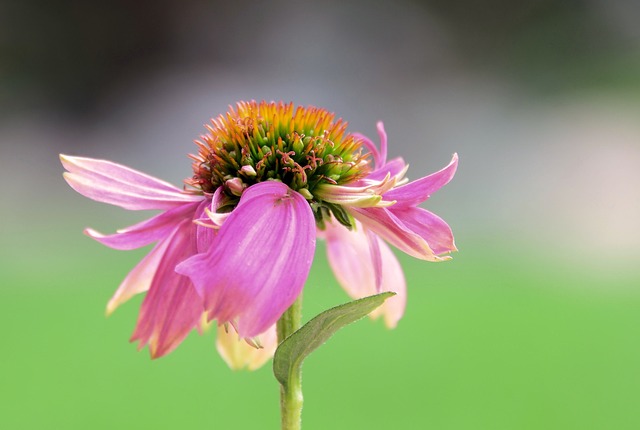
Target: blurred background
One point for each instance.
(532, 325)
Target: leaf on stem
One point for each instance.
(294, 349)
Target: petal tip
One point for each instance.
(68, 161)
(390, 324)
(111, 307)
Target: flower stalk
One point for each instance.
(291, 393)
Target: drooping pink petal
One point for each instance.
(139, 279)
(204, 234)
(204, 237)
(208, 221)
(122, 186)
(393, 279)
(376, 257)
(259, 260)
(172, 307)
(416, 192)
(238, 354)
(350, 257)
(94, 167)
(145, 232)
(433, 229)
(384, 223)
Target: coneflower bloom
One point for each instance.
(236, 244)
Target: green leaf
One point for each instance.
(294, 349)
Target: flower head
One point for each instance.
(304, 148)
(236, 245)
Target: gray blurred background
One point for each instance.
(539, 98)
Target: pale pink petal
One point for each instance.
(383, 142)
(375, 256)
(146, 232)
(416, 192)
(388, 226)
(393, 168)
(119, 185)
(367, 195)
(379, 157)
(433, 229)
(259, 260)
(238, 354)
(371, 147)
(393, 279)
(140, 278)
(172, 307)
(350, 257)
(93, 167)
(217, 219)
(214, 219)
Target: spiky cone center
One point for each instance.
(304, 147)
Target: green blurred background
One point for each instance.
(533, 325)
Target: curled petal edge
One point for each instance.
(385, 224)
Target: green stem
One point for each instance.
(291, 395)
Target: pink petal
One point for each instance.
(416, 192)
(172, 307)
(433, 229)
(214, 218)
(119, 185)
(393, 279)
(379, 157)
(259, 260)
(148, 231)
(204, 233)
(376, 257)
(388, 226)
(393, 168)
(204, 237)
(350, 257)
(371, 147)
(383, 142)
(140, 278)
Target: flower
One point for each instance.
(236, 244)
